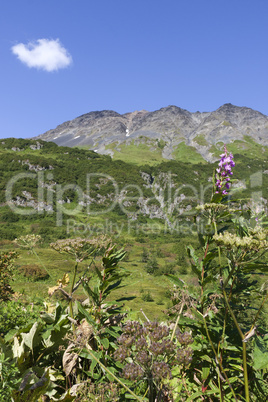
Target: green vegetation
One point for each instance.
(6, 274)
(226, 123)
(187, 153)
(249, 148)
(214, 150)
(200, 140)
(96, 349)
(81, 303)
(139, 151)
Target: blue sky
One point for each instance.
(64, 58)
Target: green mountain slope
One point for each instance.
(44, 186)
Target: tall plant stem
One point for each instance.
(244, 347)
(219, 250)
(151, 390)
(202, 278)
(176, 323)
(217, 360)
(71, 292)
(39, 259)
(245, 371)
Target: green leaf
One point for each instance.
(200, 393)
(176, 281)
(263, 267)
(195, 263)
(216, 198)
(66, 397)
(210, 256)
(208, 279)
(58, 312)
(90, 355)
(93, 365)
(87, 316)
(32, 338)
(201, 239)
(236, 367)
(48, 318)
(205, 373)
(96, 293)
(129, 396)
(30, 392)
(90, 292)
(108, 375)
(111, 332)
(260, 353)
(98, 273)
(63, 320)
(105, 343)
(112, 287)
(207, 358)
(191, 253)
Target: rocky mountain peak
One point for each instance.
(103, 130)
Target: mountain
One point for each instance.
(167, 133)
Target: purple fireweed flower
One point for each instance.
(223, 172)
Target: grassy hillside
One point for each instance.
(118, 193)
(138, 152)
(95, 188)
(142, 149)
(187, 153)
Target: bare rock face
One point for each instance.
(173, 125)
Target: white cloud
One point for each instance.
(44, 54)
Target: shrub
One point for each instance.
(6, 274)
(33, 272)
(9, 377)
(169, 268)
(147, 297)
(14, 314)
(144, 255)
(152, 266)
(9, 216)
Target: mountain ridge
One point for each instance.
(105, 131)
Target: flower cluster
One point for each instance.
(29, 241)
(132, 372)
(150, 352)
(185, 338)
(80, 248)
(208, 206)
(254, 241)
(184, 356)
(223, 172)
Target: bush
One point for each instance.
(14, 314)
(33, 272)
(6, 274)
(145, 255)
(152, 266)
(9, 378)
(147, 297)
(169, 268)
(9, 216)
